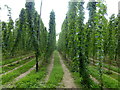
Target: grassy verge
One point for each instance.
(107, 80)
(7, 61)
(10, 76)
(56, 74)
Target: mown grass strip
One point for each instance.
(112, 74)
(56, 74)
(7, 61)
(107, 80)
(112, 68)
(10, 76)
(12, 66)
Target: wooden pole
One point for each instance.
(38, 36)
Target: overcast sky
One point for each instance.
(59, 6)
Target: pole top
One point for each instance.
(29, 0)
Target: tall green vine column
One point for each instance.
(111, 45)
(72, 13)
(30, 19)
(81, 39)
(101, 20)
(91, 40)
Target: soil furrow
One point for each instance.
(17, 61)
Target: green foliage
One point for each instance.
(99, 39)
(96, 39)
(72, 40)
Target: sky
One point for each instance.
(60, 8)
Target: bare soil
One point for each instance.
(68, 81)
(94, 79)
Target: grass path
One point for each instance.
(68, 81)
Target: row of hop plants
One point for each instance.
(98, 38)
(28, 34)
